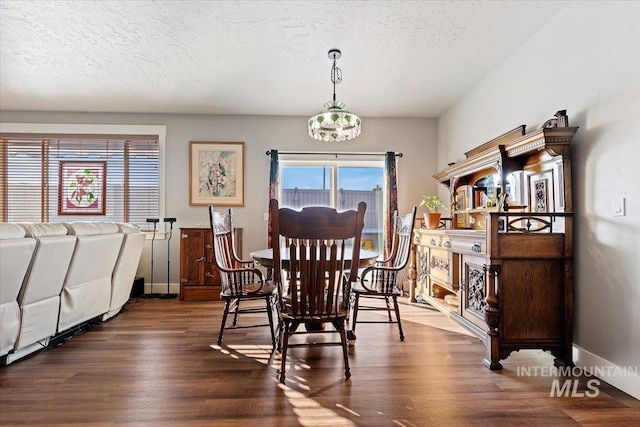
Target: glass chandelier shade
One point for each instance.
(335, 123)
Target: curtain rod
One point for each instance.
(324, 153)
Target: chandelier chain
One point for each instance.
(336, 77)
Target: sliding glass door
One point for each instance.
(341, 185)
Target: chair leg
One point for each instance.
(397, 309)
(285, 346)
(224, 320)
(356, 303)
(388, 304)
(280, 335)
(345, 347)
(235, 312)
(270, 316)
(282, 329)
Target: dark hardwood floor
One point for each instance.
(157, 364)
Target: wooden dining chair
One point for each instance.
(314, 289)
(241, 281)
(383, 280)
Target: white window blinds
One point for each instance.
(30, 172)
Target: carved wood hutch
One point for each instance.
(503, 268)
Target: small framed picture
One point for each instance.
(216, 173)
(82, 188)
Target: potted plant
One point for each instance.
(432, 203)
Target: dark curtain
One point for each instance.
(274, 178)
(391, 184)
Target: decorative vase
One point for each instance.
(432, 220)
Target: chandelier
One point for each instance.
(335, 123)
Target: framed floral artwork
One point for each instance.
(82, 188)
(216, 173)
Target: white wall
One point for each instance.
(415, 138)
(587, 61)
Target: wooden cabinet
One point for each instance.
(199, 275)
(506, 274)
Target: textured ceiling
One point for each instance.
(399, 58)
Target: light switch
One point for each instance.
(266, 216)
(618, 207)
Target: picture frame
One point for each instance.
(216, 173)
(82, 188)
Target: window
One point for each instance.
(338, 184)
(30, 172)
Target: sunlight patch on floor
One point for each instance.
(344, 408)
(404, 423)
(312, 413)
(421, 314)
(260, 353)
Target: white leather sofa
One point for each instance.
(86, 292)
(39, 298)
(125, 268)
(56, 277)
(16, 251)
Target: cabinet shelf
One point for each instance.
(475, 210)
(491, 209)
(440, 290)
(440, 303)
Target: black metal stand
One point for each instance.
(169, 295)
(152, 294)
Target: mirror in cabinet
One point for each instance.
(479, 193)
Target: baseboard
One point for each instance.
(625, 378)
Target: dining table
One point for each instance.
(264, 257)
